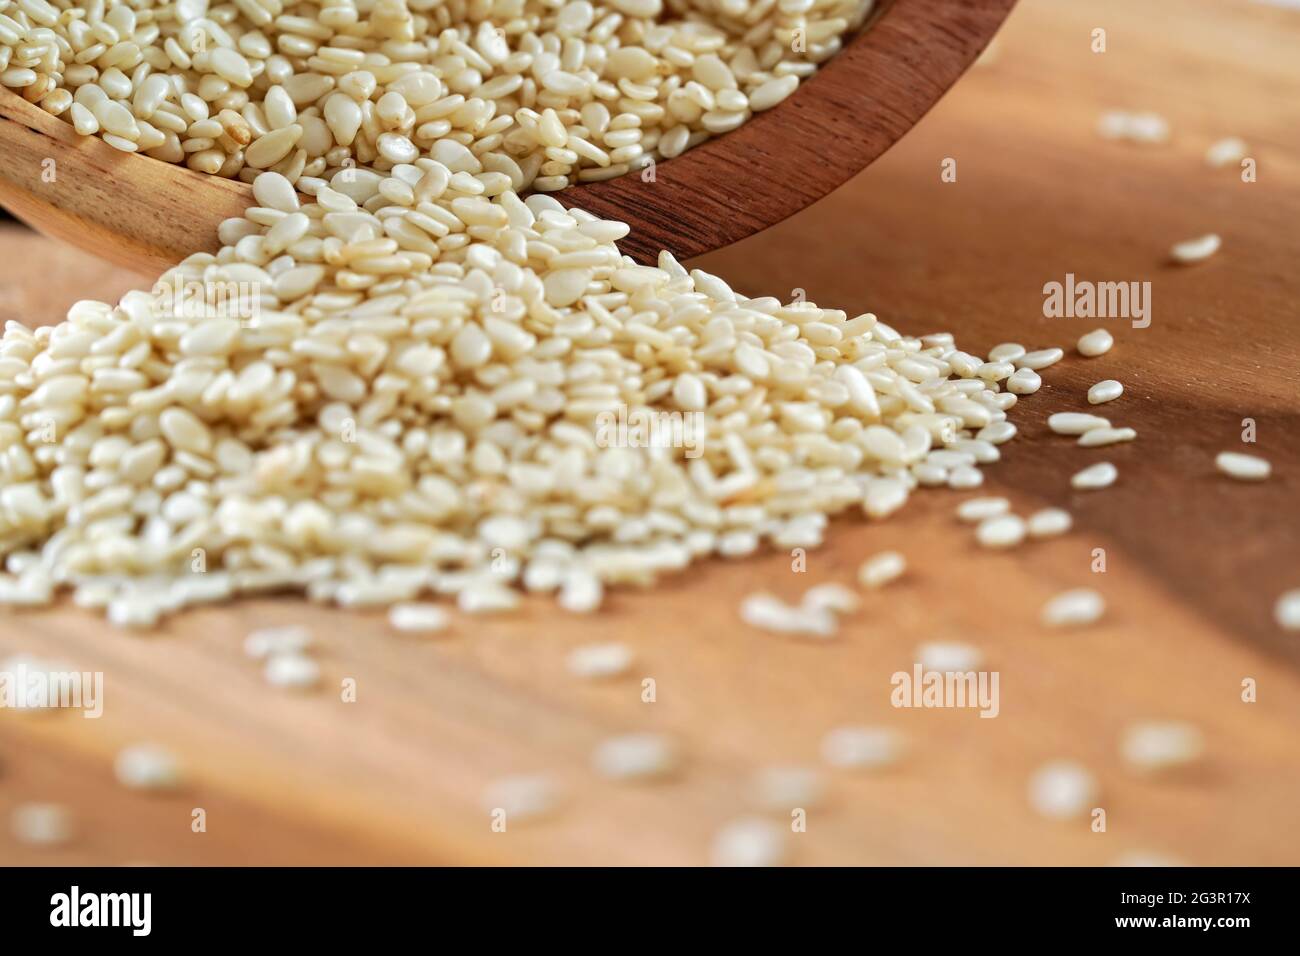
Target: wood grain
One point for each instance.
(1194, 562)
(146, 215)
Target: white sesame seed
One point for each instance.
(861, 748)
(769, 613)
(750, 841)
(289, 639)
(581, 591)
(1287, 611)
(1048, 523)
(1075, 423)
(1101, 475)
(1040, 359)
(1225, 152)
(639, 756)
(1074, 608)
(948, 656)
(783, 788)
(880, 569)
(292, 670)
(41, 824)
(965, 477)
(1006, 352)
(424, 618)
(600, 661)
(522, 797)
(1099, 437)
(1000, 531)
(147, 767)
(1243, 467)
(1062, 790)
(1106, 390)
(1094, 343)
(1024, 381)
(1196, 250)
(835, 598)
(977, 509)
(1161, 745)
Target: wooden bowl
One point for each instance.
(145, 214)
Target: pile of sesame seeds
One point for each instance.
(548, 94)
(414, 406)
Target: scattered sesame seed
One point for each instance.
(293, 638)
(750, 841)
(787, 787)
(1074, 608)
(1006, 352)
(835, 598)
(1161, 745)
(1101, 475)
(1226, 152)
(1049, 522)
(861, 748)
(522, 797)
(1106, 390)
(638, 756)
(1099, 437)
(1040, 359)
(147, 767)
(41, 824)
(977, 509)
(769, 613)
(1000, 531)
(1024, 381)
(600, 661)
(1287, 611)
(880, 569)
(949, 656)
(1062, 790)
(1075, 423)
(424, 618)
(291, 670)
(1243, 467)
(1196, 250)
(1094, 343)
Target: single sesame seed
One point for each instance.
(600, 661)
(1287, 610)
(835, 598)
(1062, 790)
(1106, 390)
(1048, 523)
(750, 841)
(949, 656)
(522, 797)
(1100, 437)
(1161, 745)
(1095, 343)
(977, 509)
(1074, 608)
(41, 824)
(1101, 475)
(1226, 152)
(784, 788)
(861, 748)
(290, 639)
(292, 670)
(1196, 250)
(1075, 423)
(882, 568)
(1000, 531)
(638, 756)
(1040, 359)
(1243, 467)
(422, 618)
(147, 767)
(769, 613)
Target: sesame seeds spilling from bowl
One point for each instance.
(448, 395)
(546, 94)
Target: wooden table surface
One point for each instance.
(1194, 560)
